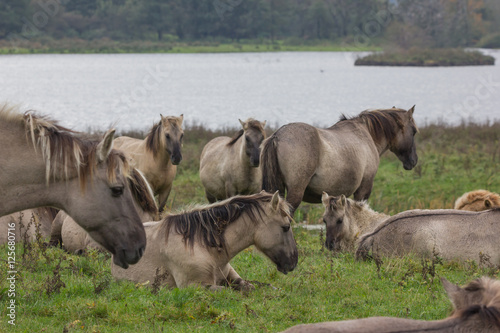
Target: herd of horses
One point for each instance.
(109, 194)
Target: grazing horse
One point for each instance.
(476, 308)
(195, 247)
(346, 220)
(452, 234)
(29, 224)
(343, 159)
(158, 155)
(478, 200)
(45, 164)
(230, 166)
(66, 232)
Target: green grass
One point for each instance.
(323, 287)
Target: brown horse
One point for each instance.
(195, 247)
(343, 159)
(476, 308)
(158, 155)
(478, 200)
(229, 166)
(45, 164)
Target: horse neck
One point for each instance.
(368, 219)
(382, 145)
(241, 146)
(239, 235)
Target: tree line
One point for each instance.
(406, 23)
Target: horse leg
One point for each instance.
(210, 197)
(236, 281)
(56, 228)
(162, 198)
(230, 190)
(364, 190)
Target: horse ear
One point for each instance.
(487, 203)
(263, 124)
(242, 124)
(325, 199)
(275, 201)
(410, 111)
(181, 117)
(453, 291)
(343, 200)
(104, 147)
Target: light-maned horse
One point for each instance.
(45, 164)
(346, 220)
(158, 155)
(28, 224)
(478, 200)
(455, 235)
(476, 308)
(74, 239)
(195, 247)
(343, 159)
(230, 166)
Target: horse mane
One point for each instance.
(154, 139)
(381, 123)
(142, 192)
(62, 150)
(477, 195)
(489, 309)
(251, 123)
(206, 224)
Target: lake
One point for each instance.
(130, 91)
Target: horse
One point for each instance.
(158, 155)
(28, 225)
(342, 159)
(45, 164)
(478, 200)
(229, 166)
(74, 239)
(196, 246)
(454, 235)
(346, 220)
(476, 308)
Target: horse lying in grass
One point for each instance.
(478, 200)
(195, 247)
(158, 155)
(346, 220)
(343, 159)
(476, 309)
(230, 166)
(451, 234)
(35, 223)
(66, 232)
(45, 164)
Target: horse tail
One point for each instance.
(365, 244)
(272, 178)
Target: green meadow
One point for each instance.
(60, 292)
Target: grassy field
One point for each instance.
(60, 292)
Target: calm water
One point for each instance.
(131, 90)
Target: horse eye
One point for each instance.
(339, 221)
(168, 136)
(116, 191)
(182, 136)
(286, 228)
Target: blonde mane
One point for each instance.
(475, 196)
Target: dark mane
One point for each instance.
(153, 139)
(489, 311)
(380, 123)
(64, 150)
(142, 192)
(252, 124)
(207, 224)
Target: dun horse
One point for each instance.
(195, 247)
(29, 224)
(478, 200)
(230, 166)
(343, 159)
(158, 155)
(451, 234)
(346, 220)
(45, 164)
(476, 308)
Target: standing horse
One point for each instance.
(476, 308)
(158, 155)
(45, 164)
(343, 159)
(195, 247)
(230, 166)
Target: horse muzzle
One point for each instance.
(124, 258)
(286, 264)
(176, 159)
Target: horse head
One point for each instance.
(172, 137)
(403, 143)
(335, 219)
(275, 237)
(253, 134)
